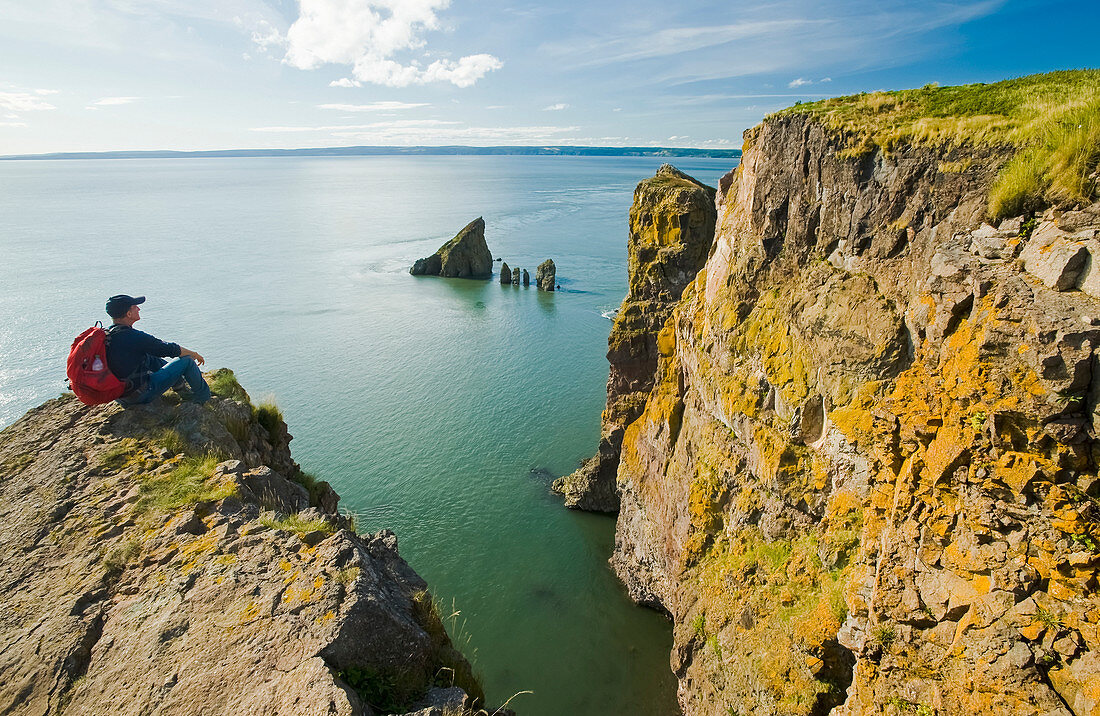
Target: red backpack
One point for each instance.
(89, 377)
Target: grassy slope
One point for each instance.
(1052, 120)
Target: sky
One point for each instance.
(104, 75)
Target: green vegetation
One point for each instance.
(295, 523)
(119, 456)
(313, 486)
(347, 575)
(883, 635)
(446, 632)
(1028, 227)
(183, 485)
(378, 690)
(120, 555)
(699, 626)
(268, 415)
(223, 383)
(173, 441)
(1048, 618)
(910, 707)
(1053, 120)
(1059, 166)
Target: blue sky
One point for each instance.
(97, 75)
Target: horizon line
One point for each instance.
(423, 149)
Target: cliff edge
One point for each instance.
(671, 229)
(174, 559)
(865, 477)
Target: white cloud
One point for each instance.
(395, 124)
(802, 82)
(369, 34)
(13, 124)
(46, 91)
(114, 101)
(22, 102)
(556, 107)
(345, 82)
(382, 106)
(266, 36)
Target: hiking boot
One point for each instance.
(182, 389)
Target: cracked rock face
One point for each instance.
(118, 598)
(864, 477)
(671, 230)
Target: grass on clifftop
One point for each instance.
(1053, 120)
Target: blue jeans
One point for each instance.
(168, 375)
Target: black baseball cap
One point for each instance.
(117, 306)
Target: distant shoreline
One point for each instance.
(570, 151)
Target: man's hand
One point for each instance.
(192, 354)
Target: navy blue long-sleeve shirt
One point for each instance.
(127, 348)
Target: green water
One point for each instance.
(439, 408)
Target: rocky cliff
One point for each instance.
(174, 559)
(465, 256)
(865, 476)
(671, 229)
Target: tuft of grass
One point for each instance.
(268, 415)
(451, 640)
(295, 523)
(883, 635)
(188, 483)
(119, 456)
(1048, 618)
(699, 626)
(223, 383)
(172, 440)
(353, 520)
(1059, 166)
(380, 691)
(347, 575)
(120, 555)
(955, 167)
(314, 486)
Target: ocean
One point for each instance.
(438, 408)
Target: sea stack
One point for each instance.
(545, 274)
(515, 277)
(464, 256)
(505, 274)
(526, 278)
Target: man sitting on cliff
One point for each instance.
(137, 358)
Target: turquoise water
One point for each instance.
(439, 408)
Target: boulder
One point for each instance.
(464, 256)
(505, 274)
(544, 275)
(1055, 257)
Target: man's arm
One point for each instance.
(192, 354)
